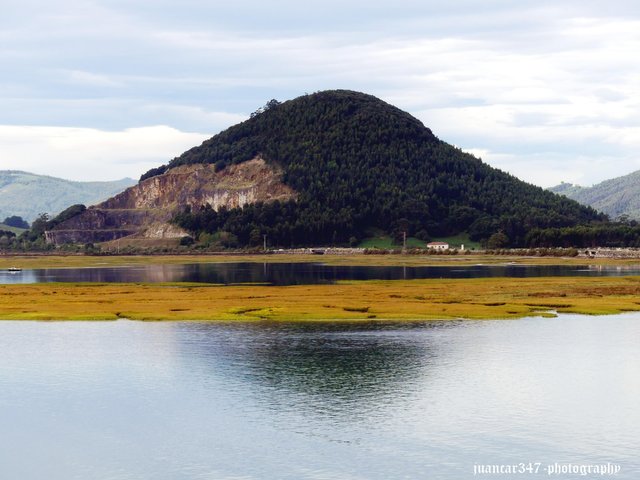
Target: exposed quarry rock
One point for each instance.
(145, 210)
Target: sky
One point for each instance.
(548, 91)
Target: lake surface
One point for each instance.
(171, 401)
(299, 273)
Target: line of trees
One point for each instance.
(34, 238)
(586, 236)
(16, 222)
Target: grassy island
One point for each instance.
(485, 298)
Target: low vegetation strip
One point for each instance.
(87, 261)
(489, 298)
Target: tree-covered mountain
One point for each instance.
(617, 197)
(28, 195)
(358, 163)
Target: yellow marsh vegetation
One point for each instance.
(354, 300)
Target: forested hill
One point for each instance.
(616, 197)
(359, 163)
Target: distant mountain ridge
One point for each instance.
(615, 197)
(28, 195)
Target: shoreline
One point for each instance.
(86, 261)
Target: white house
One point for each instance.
(438, 245)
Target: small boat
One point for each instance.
(14, 269)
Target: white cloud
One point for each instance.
(548, 169)
(93, 79)
(85, 153)
(531, 83)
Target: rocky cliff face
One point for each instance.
(144, 210)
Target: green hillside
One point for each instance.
(28, 195)
(8, 228)
(616, 197)
(359, 163)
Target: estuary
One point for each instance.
(197, 400)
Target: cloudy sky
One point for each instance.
(99, 90)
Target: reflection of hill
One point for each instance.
(316, 368)
(228, 273)
(147, 273)
(300, 273)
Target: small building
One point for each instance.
(438, 245)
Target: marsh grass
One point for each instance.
(486, 298)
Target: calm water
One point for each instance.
(299, 273)
(127, 400)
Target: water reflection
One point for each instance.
(300, 273)
(174, 401)
(323, 369)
